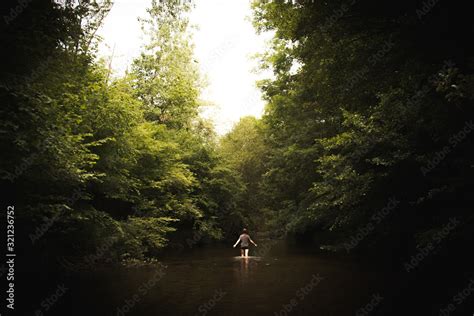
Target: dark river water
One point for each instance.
(215, 281)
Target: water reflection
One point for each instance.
(244, 270)
(257, 285)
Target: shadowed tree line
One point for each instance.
(370, 102)
(367, 137)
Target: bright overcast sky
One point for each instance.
(225, 41)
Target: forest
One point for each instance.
(364, 147)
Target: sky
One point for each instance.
(225, 42)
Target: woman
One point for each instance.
(244, 240)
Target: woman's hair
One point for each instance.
(244, 231)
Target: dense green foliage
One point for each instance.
(370, 103)
(93, 161)
(365, 143)
(243, 151)
(368, 122)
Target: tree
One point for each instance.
(244, 152)
(165, 76)
(356, 109)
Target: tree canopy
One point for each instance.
(367, 122)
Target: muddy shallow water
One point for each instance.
(216, 281)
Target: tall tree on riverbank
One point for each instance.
(165, 76)
(364, 99)
(92, 160)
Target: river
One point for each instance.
(275, 280)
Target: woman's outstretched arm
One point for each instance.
(238, 240)
(252, 242)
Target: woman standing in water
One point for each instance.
(245, 241)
